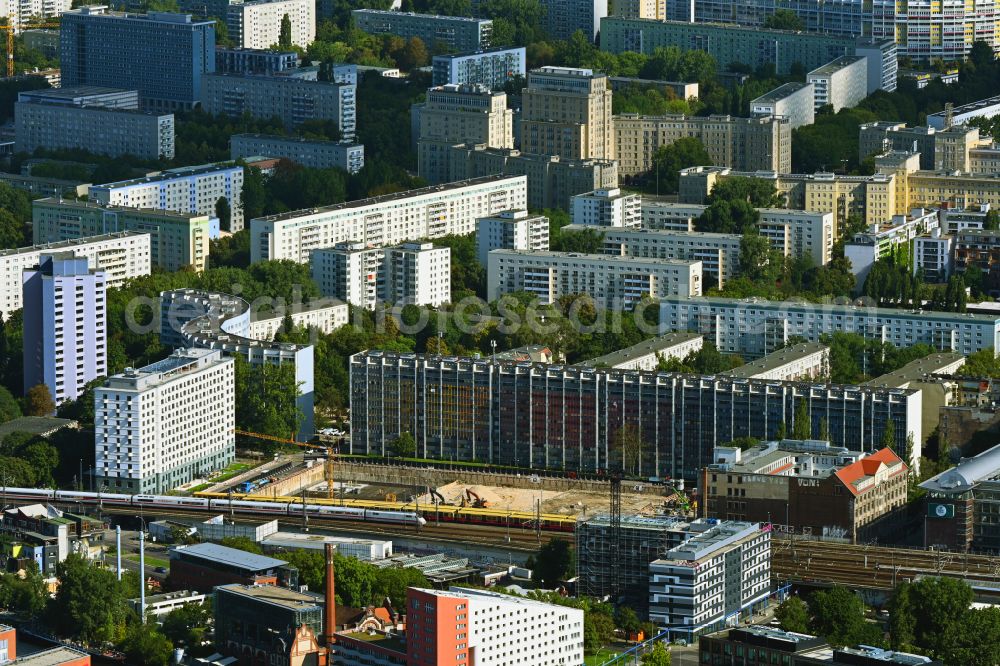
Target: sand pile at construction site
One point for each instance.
(568, 502)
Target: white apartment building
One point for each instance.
(65, 325)
(613, 282)
(496, 628)
(511, 230)
(802, 362)
(459, 114)
(799, 233)
(794, 101)
(430, 212)
(720, 572)
(350, 271)
(841, 83)
(932, 254)
(669, 215)
(165, 424)
(607, 208)
(120, 256)
(867, 247)
(257, 24)
(194, 189)
(646, 355)
(417, 274)
(755, 327)
(971, 216)
(326, 316)
(719, 254)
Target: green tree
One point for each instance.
(38, 401)
(839, 617)
(12, 231)
(977, 639)
(17, 472)
(9, 409)
(757, 192)
(888, 440)
(759, 262)
(627, 620)
(793, 614)
(628, 444)
(25, 596)
(728, 216)
(81, 409)
(658, 656)
(802, 428)
(784, 19)
(285, 34)
(669, 160)
(554, 563)
(598, 629)
(584, 241)
(928, 615)
(144, 645)
(89, 604)
(404, 446)
(223, 212)
(186, 625)
(243, 543)
(266, 398)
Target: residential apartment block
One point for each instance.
(756, 327)
(235, 60)
(758, 144)
(324, 315)
(312, 153)
(669, 215)
(806, 487)
(978, 248)
(120, 256)
(293, 100)
(646, 355)
(799, 233)
(607, 208)
(719, 254)
(55, 121)
(805, 361)
(175, 239)
(65, 325)
(490, 67)
(840, 83)
(566, 111)
(195, 189)
(613, 282)
(867, 247)
(418, 274)
(389, 219)
(459, 114)
(454, 33)
(949, 149)
(720, 572)
(794, 101)
(350, 271)
(256, 24)
(162, 55)
(165, 424)
(562, 19)
(514, 413)
(511, 230)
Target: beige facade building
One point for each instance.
(747, 144)
(566, 111)
(459, 114)
(642, 9)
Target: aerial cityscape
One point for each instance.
(500, 333)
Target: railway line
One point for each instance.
(872, 567)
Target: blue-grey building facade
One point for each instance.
(254, 61)
(65, 334)
(459, 33)
(492, 67)
(160, 54)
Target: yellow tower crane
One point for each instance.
(327, 465)
(9, 29)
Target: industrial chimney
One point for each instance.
(330, 609)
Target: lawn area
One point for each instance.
(150, 561)
(601, 657)
(234, 469)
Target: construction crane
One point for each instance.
(328, 474)
(9, 29)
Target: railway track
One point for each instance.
(870, 566)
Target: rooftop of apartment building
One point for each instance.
(778, 359)
(162, 371)
(467, 54)
(708, 537)
(920, 369)
(836, 65)
(814, 458)
(167, 174)
(656, 233)
(69, 244)
(964, 476)
(274, 595)
(76, 204)
(467, 89)
(641, 349)
(158, 17)
(780, 93)
(970, 107)
(385, 198)
(389, 12)
(819, 176)
(717, 118)
(74, 92)
(861, 310)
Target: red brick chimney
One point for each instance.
(330, 610)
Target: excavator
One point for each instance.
(472, 499)
(435, 494)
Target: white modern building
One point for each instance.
(755, 327)
(165, 424)
(647, 354)
(417, 274)
(65, 325)
(350, 271)
(411, 273)
(607, 208)
(794, 101)
(841, 83)
(120, 256)
(367, 550)
(933, 257)
(721, 571)
(324, 315)
(390, 219)
(805, 361)
(719, 254)
(511, 230)
(195, 189)
(313, 153)
(867, 247)
(970, 216)
(613, 282)
(799, 233)
(257, 24)
(960, 115)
